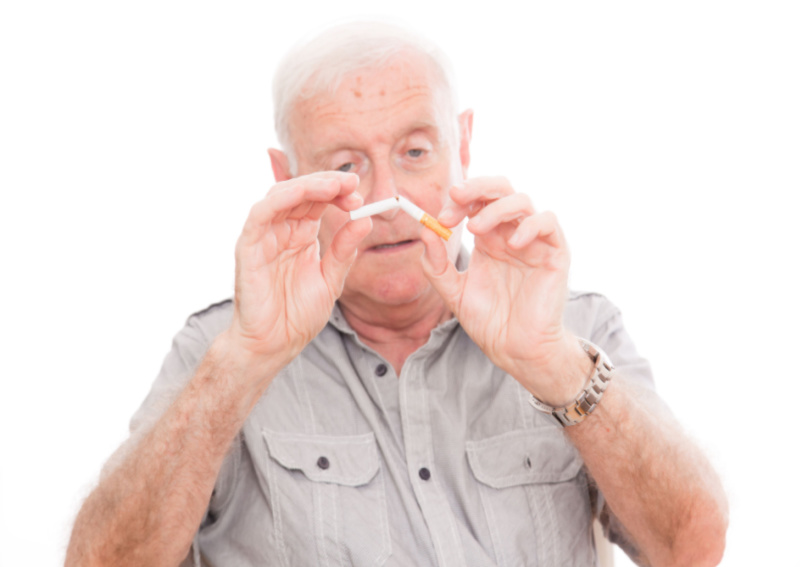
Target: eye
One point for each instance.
(345, 167)
(416, 152)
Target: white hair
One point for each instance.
(318, 66)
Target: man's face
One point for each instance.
(386, 126)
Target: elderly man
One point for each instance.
(373, 395)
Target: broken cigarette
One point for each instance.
(424, 218)
(409, 207)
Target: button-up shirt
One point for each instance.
(343, 462)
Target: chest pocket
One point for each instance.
(328, 499)
(534, 494)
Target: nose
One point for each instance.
(383, 187)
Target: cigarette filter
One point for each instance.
(423, 217)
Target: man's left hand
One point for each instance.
(511, 298)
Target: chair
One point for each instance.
(605, 549)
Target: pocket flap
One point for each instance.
(350, 460)
(523, 457)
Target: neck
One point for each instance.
(395, 332)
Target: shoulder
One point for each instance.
(189, 346)
(587, 311)
(212, 320)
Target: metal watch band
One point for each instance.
(591, 395)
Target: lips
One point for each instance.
(391, 245)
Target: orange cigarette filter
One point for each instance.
(436, 227)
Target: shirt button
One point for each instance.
(424, 473)
(323, 463)
(381, 369)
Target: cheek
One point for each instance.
(434, 197)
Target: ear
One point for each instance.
(280, 165)
(465, 132)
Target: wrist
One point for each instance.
(248, 369)
(562, 376)
(581, 406)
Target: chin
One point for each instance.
(391, 289)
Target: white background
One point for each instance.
(666, 136)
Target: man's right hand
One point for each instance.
(147, 508)
(284, 291)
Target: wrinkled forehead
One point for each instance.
(379, 89)
(408, 64)
(405, 86)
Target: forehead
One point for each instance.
(370, 105)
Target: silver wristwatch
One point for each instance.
(588, 399)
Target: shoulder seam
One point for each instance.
(209, 308)
(573, 295)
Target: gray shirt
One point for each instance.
(342, 462)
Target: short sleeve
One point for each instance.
(593, 317)
(189, 347)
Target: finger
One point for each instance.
(318, 188)
(514, 207)
(341, 254)
(440, 271)
(452, 213)
(349, 201)
(481, 189)
(542, 226)
(344, 177)
(301, 197)
(469, 197)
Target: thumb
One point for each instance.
(341, 254)
(440, 271)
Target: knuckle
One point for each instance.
(253, 212)
(524, 200)
(503, 184)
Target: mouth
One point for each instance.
(392, 247)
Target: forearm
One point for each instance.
(147, 509)
(656, 481)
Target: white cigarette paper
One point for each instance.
(413, 210)
(409, 207)
(375, 208)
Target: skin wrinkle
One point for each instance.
(318, 157)
(345, 128)
(386, 110)
(434, 78)
(404, 328)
